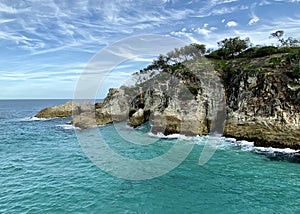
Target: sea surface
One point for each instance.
(43, 169)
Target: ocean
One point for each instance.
(43, 169)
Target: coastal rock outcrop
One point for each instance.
(263, 107)
(68, 109)
(65, 110)
(167, 101)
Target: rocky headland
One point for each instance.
(253, 98)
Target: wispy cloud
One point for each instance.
(2, 21)
(264, 2)
(13, 10)
(41, 41)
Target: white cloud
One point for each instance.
(227, 10)
(51, 25)
(231, 24)
(253, 20)
(179, 33)
(74, 31)
(229, 1)
(202, 31)
(264, 2)
(224, 10)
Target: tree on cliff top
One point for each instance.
(278, 35)
(232, 46)
(187, 52)
(289, 42)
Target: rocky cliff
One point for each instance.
(166, 101)
(264, 107)
(261, 106)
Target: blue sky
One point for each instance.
(46, 44)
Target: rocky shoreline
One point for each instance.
(259, 107)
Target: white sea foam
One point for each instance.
(245, 145)
(249, 146)
(28, 119)
(274, 150)
(172, 136)
(67, 127)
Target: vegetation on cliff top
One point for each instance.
(235, 55)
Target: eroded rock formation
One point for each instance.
(261, 107)
(264, 108)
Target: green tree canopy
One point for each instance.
(232, 46)
(187, 52)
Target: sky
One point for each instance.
(47, 44)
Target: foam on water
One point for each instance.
(172, 136)
(276, 150)
(279, 154)
(68, 127)
(249, 146)
(221, 142)
(224, 143)
(29, 119)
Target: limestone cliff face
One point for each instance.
(264, 108)
(167, 101)
(259, 107)
(172, 106)
(114, 108)
(178, 116)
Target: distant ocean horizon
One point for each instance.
(44, 170)
(46, 99)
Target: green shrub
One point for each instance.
(266, 51)
(249, 53)
(214, 55)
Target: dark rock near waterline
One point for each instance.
(293, 157)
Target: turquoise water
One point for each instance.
(44, 170)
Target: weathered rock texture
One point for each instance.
(65, 110)
(247, 105)
(264, 108)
